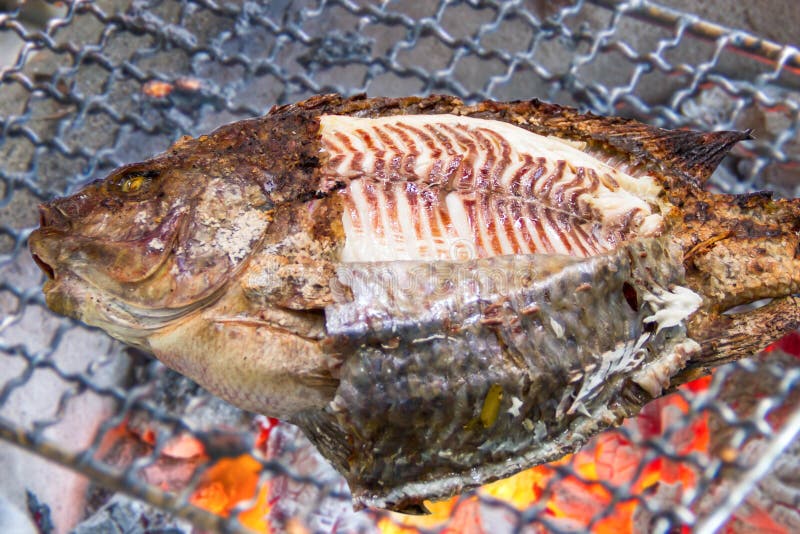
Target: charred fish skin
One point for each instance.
(243, 259)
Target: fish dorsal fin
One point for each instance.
(692, 154)
(695, 154)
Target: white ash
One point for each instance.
(156, 244)
(237, 240)
(777, 495)
(320, 511)
(125, 515)
(13, 519)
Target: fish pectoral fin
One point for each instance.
(305, 324)
(319, 379)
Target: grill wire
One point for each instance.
(93, 85)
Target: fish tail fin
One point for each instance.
(696, 154)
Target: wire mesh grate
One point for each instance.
(88, 86)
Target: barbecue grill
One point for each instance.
(97, 436)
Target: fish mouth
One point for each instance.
(57, 248)
(53, 227)
(44, 266)
(41, 253)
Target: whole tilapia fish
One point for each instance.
(439, 294)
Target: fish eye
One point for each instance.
(134, 182)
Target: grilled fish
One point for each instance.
(438, 294)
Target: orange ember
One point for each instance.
(188, 84)
(184, 446)
(157, 89)
(229, 482)
(574, 492)
(232, 481)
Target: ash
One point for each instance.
(126, 515)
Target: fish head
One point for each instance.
(150, 243)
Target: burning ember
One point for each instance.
(226, 483)
(578, 492)
(157, 89)
(232, 481)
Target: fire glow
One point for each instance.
(574, 493)
(231, 481)
(581, 499)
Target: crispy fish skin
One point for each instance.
(223, 257)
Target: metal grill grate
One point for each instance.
(87, 86)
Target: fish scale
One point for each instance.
(526, 332)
